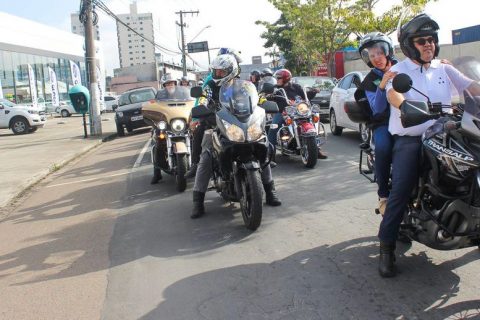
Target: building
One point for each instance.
(133, 49)
(77, 26)
(23, 43)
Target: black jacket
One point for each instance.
(293, 91)
(370, 83)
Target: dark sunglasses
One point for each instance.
(423, 41)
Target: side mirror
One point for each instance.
(200, 111)
(270, 107)
(402, 83)
(196, 92)
(80, 98)
(414, 113)
(268, 88)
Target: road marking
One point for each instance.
(92, 179)
(353, 163)
(141, 155)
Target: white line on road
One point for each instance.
(353, 163)
(141, 155)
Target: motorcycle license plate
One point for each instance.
(136, 118)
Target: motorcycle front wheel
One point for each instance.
(309, 152)
(182, 165)
(251, 199)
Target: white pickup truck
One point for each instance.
(20, 119)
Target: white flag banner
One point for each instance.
(1, 90)
(54, 87)
(75, 70)
(101, 88)
(33, 85)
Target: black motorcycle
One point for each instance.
(240, 147)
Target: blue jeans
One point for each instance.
(405, 164)
(272, 133)
(383, 159)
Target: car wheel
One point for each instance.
(336, 130)
(129, 129)
(20, 126)
(33, 129)
(120, 130)
(64, 113)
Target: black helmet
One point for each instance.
(267, 72)
(420, 26)
(255, 73)
(375, 39)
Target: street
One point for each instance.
(96, 241)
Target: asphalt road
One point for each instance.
(96, 240)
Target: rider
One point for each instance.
(255, 77)
(418, 40)
(224, 69)
(169, 85)
(294, 91)
(184, 81)
(376, 50)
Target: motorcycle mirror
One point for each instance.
(414, 113)
(402, 83)
(270, 107)
(268, 88)
(196, 92)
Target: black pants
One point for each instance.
(197, 141)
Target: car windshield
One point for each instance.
(181, 93)
(323, 83)
(240, 97)
(7, 103)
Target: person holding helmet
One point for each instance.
(255, 77)
(376, 50)
(184, 81)
(418, 40)
(294, 92)
(224, 69)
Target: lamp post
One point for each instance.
(201, 30)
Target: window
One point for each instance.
(131, 58)
(141, 28)
(129, 35)
(143, 46)
(355, 82)
(74, 28)
(143, 51)
(345, 83)
(129, 47)
(130, 41)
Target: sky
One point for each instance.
(232, 22)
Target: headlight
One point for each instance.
(254, 132)
(234, 133)
(162, 125)
(120, 114)
(302, 108)
(178, 125)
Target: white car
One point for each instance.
(111, 103)
(343, 92)
(65, 109)
(20, 119)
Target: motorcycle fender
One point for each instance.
(307, 127)
(252, 166)
(180, 147)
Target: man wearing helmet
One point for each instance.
(376, 50)
(184, 81)
(224, 69)
(294, 92)
(255, 77)
(169, 84)
(419, 42)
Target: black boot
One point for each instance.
(386, 266)
(198, 209)
(157, 176)
(271, 195)
(321, 154)
(192, 172)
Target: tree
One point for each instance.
(316, 29)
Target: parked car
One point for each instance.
(128, 115)
(343, 92)
(322, 98)
(65, 109)
(20, 119)
(111, 103)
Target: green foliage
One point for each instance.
(309, 32)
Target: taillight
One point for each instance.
(289, 121)
(316, 119)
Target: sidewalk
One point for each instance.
(26, 159)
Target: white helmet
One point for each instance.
(224, 68)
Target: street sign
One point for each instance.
(257, 60)
(193, 47)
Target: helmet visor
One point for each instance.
(220, 73)
(374, 51)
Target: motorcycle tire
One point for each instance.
(182, 166)
(309, 152)
(251, 201)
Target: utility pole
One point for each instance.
(182, 25)
(90, 61)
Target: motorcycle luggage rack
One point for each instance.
(365, 171)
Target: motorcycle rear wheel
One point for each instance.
(309, 152)
(182, 165)
(251, 199)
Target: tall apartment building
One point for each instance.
(77, 26)
(133, 49)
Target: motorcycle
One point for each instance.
(302, 134)
(169, 116)
(444, 209)
(240, 147)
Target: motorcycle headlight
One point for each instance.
(162, 125)
(302, 108)
(254, 132)
(120, 114)
(234, 133)
(178, 125)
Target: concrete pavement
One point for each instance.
(26, 159)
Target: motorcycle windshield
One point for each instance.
(240, 97)
(470, 67)
(180, 93)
